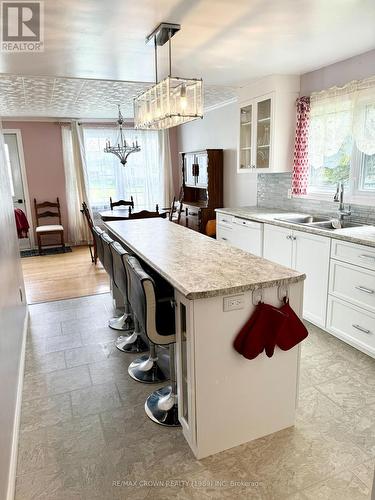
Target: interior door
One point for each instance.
(13, 159)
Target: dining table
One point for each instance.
(123, 213)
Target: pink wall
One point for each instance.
(44, 162)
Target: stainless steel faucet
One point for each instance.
(339, 197)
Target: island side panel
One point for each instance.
(238, 400)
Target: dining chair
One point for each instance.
(121, 203)
(147, 214)
(92, 246)
(42, 211)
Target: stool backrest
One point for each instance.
(107, 254)
(156, 318)
(126, 203)
(96, 232)
(119, 271)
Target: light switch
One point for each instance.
(234, 302)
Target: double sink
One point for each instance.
(319, 222)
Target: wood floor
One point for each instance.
(63, 276)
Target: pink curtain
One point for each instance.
(301, 162)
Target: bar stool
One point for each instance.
(134, 341)
(96, 231)
(116, 323)
(156, 317)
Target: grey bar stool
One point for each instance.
(116, 323)
(132, 342)
(96, 231)
(156, 317)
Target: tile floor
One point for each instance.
(84, 434)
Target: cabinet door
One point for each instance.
(263, 116)
(311, 256)
(202, 162)
(245, 156)
(189, 160)
(224, 234)
(277, 245)
(248, 236)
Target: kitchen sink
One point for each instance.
(304, 219)
(331, 227)
(319, 222)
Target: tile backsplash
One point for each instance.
(273, 193)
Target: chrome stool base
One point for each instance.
(131, 343)
(123, 323)
(146, 369)
(161, 407)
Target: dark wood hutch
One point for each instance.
(202, 187)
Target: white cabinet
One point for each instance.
(351, 300)
(311, 256)
(266, 118)
(308, 253)
(241, 233)
(277, 245)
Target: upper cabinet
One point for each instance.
(267, 117)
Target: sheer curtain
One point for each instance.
(76, 182)
(147, 176)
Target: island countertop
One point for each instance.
(196, 265)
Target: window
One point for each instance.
(342, 140)
(142, 177)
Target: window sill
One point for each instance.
(357, 199)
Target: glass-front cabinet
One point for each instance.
(255, 134)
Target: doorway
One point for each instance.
(17, 176)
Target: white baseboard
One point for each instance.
(17, 415)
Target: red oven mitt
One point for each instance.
(293, 332)
(260, 331)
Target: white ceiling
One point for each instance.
(226, 42)
(80, 98)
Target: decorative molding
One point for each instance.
(17, 415)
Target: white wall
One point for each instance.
(219, 129)
(340, 73)
(12, 316)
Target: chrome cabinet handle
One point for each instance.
(288, 237)
(364, 289)
(364, 256)
(225, 239)
(361, 329)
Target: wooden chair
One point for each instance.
(86, 212)
(146, 214)
(48, 229)
(121, 203)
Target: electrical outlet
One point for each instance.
(289, 194)
(233, 303)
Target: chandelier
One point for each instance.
(171, 101)
(122, 149)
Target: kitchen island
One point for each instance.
(224, 399)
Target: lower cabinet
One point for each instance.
(308, 253)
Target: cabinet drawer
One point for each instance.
(359, 255)
(353, 283)
(352, 324)
(224, 234)
(224, 220)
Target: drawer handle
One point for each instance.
(364, 289)
(361, 329)
(225, 239)
(225, 220)
(364, 256)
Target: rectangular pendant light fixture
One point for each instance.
(171, 101)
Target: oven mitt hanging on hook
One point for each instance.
(260, 331)
(293, 332)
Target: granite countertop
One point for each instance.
(363, 235)
(196, 265)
